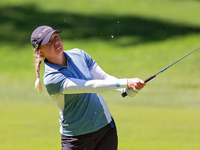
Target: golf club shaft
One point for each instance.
(153, 76)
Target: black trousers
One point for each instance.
(103, 139)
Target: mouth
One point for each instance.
(58, 47)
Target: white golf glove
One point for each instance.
(131, 93)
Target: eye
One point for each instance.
(56, 37)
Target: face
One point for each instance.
(53, 48)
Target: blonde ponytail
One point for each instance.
(38, 61)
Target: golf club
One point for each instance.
(153, 76)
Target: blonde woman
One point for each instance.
(74, 80)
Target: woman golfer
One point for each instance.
(73, 79)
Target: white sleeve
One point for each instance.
(72, 85)
(98, 73)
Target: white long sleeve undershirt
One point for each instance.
(102, 82)
(98, 73)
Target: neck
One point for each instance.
(60, 60)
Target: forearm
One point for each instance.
(72, 85)
(98, 73)
(109, 77)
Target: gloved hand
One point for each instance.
(131, 93)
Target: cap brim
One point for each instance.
(48, 36)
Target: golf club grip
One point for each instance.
(146, 80)
(150, 78)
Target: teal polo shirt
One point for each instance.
(79, 113)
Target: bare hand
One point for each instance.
(135, 83)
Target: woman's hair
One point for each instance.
(38, 61)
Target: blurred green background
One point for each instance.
(129, 38)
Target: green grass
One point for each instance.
(127, 39)
(161, 132)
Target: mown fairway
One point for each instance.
(130, 38)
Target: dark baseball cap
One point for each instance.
(41, 36)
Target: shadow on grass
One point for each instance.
(18, 22)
